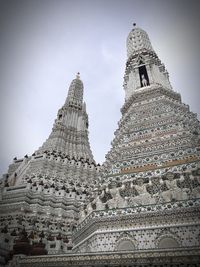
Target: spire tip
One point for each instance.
(78, 75)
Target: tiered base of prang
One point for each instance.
(136, 236)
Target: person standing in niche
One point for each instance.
(144, 81)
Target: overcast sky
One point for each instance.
(43, 44)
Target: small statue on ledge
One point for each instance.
(174, 192)
(98, 200)
(144, 81)
(143, 197)
(117, 201)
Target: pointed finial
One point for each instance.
(134, 24)
(78, 75)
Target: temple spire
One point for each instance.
(75, 93)
(143, 68)
(78, 75)
(138, 40)
(70, 130)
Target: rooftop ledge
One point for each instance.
(158, 256)
(136, 210)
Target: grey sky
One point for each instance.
(44, 43)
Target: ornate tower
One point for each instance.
(143, 67)
(41, 194)
(157, 133)
(146, 212)
(69, 134)
(66, 153)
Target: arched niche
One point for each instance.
(168, 242)
(125, 244)
(143, 74)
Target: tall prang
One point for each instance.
(66, 153)
(157, 133)
(41, 194)
(148, 205)
(69, 134)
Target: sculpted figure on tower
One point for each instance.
(117, 201)
(174, 192)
